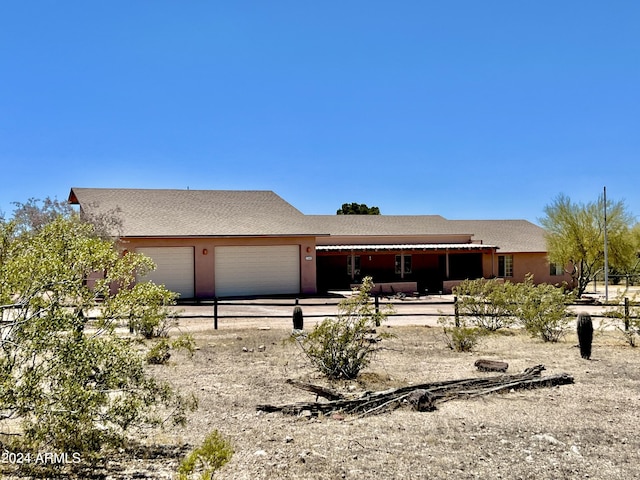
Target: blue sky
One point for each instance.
(464, 108)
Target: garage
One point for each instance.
(174, 268)
(257, 270)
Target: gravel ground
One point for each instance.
(584, 430)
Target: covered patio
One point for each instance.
(429, 265)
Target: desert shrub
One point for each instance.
(214, 452)
(541, 309)
(160, 352)
(342, 347)
(631, 330)
(185, 342)
(485, 303)
(460, 338)
(151, 318)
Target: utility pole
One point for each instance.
(606, 251)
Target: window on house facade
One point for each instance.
(353, 265)
(505, 265)
(556, 269)
(403, 265)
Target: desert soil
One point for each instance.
(588, 429)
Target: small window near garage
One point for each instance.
(353, 265)
(403, 265)
(505, 265)
(556, 269)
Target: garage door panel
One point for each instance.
(174, 268)
(257, 270)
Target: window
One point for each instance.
(353, 265)
(403, 265)
(556, 269)
(505, 265)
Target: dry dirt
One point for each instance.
(585, 430)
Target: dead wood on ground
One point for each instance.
(485, 365)
(421, 397)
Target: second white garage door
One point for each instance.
(174, 268)
(257, 270)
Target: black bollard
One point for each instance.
(585, 334)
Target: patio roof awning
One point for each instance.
(406, 247)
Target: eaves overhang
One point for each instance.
(407, 247)
(274, 235)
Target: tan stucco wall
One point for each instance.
(204, 263)
(536, 264)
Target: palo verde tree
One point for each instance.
(575, 237)
(65, 375)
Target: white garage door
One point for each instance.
(174, 268)
(257, 270)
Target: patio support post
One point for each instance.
(352, 261)
(446, 264)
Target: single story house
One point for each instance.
(215, 243)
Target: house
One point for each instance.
(215, 243)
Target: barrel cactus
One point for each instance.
(298, 320)
(585, 334)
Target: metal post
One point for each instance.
(626, 314)
(456, 311)
(215, 313)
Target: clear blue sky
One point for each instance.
(468, 109)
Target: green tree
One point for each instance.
(575, 236)
(72, 382)
(357, 209)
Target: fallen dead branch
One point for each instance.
(422, 397)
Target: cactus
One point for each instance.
(298, 320)
(585, 334)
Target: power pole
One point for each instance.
(606, 251)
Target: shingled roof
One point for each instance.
(189, 213)
(508, 235)
(192, 213)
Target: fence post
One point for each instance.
(215, 313)
(626, 314)
(376, 298)
(455, 310)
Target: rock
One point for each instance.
(545, 437)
